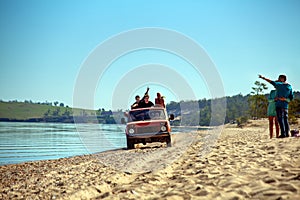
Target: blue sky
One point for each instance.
(45, 43)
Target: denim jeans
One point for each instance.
(282, 116)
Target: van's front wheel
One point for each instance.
(168, 141)
(130, 145)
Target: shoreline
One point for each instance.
(243, 164)
(17, 156)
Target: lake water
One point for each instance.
(20, 142)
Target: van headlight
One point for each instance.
(163, 128)
(131, 130)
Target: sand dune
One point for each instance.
(242, 164)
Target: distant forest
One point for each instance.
(239, 109)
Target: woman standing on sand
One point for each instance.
(272, 114)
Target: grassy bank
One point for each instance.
(24, 111)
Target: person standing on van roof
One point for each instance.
(141, 103)
(145, 103)
(159, 100)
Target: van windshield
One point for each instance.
(147, 114)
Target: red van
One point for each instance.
(146, 125)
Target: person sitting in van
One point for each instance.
(136, 103)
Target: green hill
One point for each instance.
(25, 111)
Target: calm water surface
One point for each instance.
(20, 142)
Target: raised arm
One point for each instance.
(146, 94)
(147, 91)
(264, 78)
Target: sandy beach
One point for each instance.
(243, 163)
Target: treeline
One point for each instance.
(239, 109)
(81, 116)
(58, 115)
(55, 103)
(205, 112)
